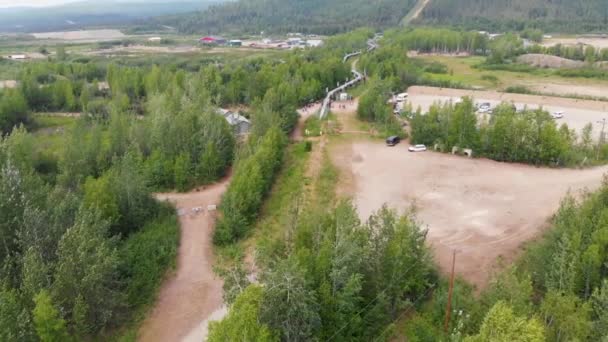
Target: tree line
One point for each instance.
(500, 16)
(332, 278)
(527, 136)
(316, 16)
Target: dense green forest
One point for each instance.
(281, 16)
(528, 136)
(516, 15)
(84, 243)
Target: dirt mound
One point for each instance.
(548, 61)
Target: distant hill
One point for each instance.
(549, 15)
(92, 13)
(305, 16)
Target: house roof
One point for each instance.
(235, 119)
(232, 118)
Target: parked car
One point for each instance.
(484, 107)
(417, 148)
(402, 97)
(392, 141)
(558, 115)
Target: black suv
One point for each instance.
(392, 141)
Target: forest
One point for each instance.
(84, 243)
(282, 16)
(574, 16)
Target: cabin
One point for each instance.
(235, 43)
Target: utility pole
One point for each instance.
(599, 143)
(448, 307)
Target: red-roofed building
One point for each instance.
(212, 40)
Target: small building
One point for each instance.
(314, 42)
(294, 41)
(240, 124)
(17, 57)
(155, 39)
(212, 40)
(235, 43)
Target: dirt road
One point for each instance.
(194, 293)
(481, 208)
(578, 113)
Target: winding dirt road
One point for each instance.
(194, 293)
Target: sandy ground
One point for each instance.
(482, 209)
(84, 35)
(194, 293)
(578, 113)
(596, 42)
(548, 61)
(568, 89)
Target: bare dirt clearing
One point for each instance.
(84, 35)
(578, 113)
(194, 293)
(8, 84)
(595, 42)
(548, 61)
(481, 208)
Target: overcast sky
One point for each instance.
(37, 3)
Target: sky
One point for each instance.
(35, 3)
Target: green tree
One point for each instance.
(49, 324)
(566, 316)
(86, 276)
(288, 305)
(502, 325)
(15, 320)
(243, 321)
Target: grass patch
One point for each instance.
(49, 121)
(312, 126)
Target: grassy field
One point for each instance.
(461, 69)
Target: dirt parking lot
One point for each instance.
(481, 208)
(578, 113)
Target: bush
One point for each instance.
(436, 68)
(519, 89)
(147, 256)
(252, 180)
(489, 78)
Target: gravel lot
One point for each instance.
(481, 208)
